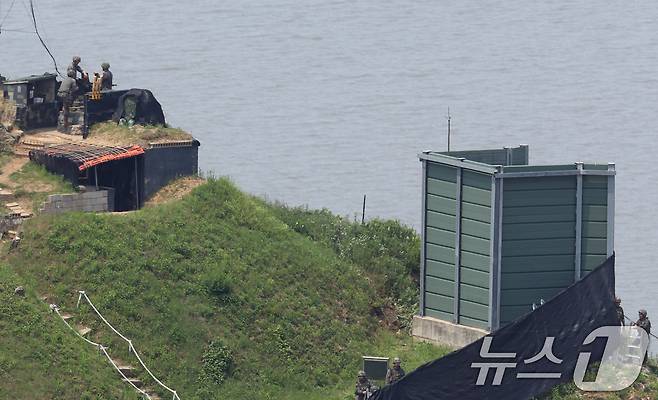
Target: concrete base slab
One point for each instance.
(436, 331)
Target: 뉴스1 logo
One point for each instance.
(620, 366)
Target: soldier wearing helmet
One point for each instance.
(363, 387)
(395, 373)
(75, 67)
(643, 321)
(620, 311)
(106, 77)
(67, 91)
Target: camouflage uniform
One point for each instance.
(363, 387)
(394, 374)
(75, 68)
(644, 324)
(67, 91)
(620, 312)
(106, 77)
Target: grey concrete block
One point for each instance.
(436, 331)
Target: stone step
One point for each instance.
(6, 195)
(66, 317)
(134, 381)
(83, 330)
(11, 205)
(128, 371)
(152, 395)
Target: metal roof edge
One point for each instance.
(459, 162)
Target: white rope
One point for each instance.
(125, 378)
(102, 348)
(130, 344)
(56, 310)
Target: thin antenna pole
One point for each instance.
(448, 128)
(363, 212)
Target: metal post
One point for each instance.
(611, 211)
(423, 245)
(96, 176)
(579, 222)
(458, 246)
(363, 212)
(448, 128)
(496, 251)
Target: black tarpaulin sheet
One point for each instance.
(569, 318)
(148, 112)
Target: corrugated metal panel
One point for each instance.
(594, 232)
(439, 239)
(538, 228)
(506, 156)
(538, 242)
(475, 257)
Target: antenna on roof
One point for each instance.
(448, 116)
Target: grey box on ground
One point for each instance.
(436, 331)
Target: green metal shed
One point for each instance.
(500, 236)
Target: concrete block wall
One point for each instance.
(90, 201)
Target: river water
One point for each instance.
(320, 102)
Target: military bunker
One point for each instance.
(127, 161)
(500, 237)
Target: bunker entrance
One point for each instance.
(118, 168)
(124, 176)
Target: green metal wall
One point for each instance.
(538, 241)
(506, 156)
(475, 255)
(443, 209)
(594, 222)
(539, 237)
(440, 225)
(514, 232)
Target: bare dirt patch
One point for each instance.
(175, 190)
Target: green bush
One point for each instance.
(218, 284)
(217, 362)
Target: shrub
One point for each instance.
(218, 284)
(217, 362)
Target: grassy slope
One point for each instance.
(33, 183)
(297, 295)
(219, 265)
(40, 358)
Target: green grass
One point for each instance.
(296, 312)
(290, 297)
(35, 183)
(110, 132)
(40, 358)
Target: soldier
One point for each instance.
(363, 387)
(620, 311)
(67, 91)
(643, 322)
(75, 67)
(106, 77)
(394, 374)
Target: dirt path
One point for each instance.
(15, 164)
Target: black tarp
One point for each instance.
(569, 318)
(149, 110)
